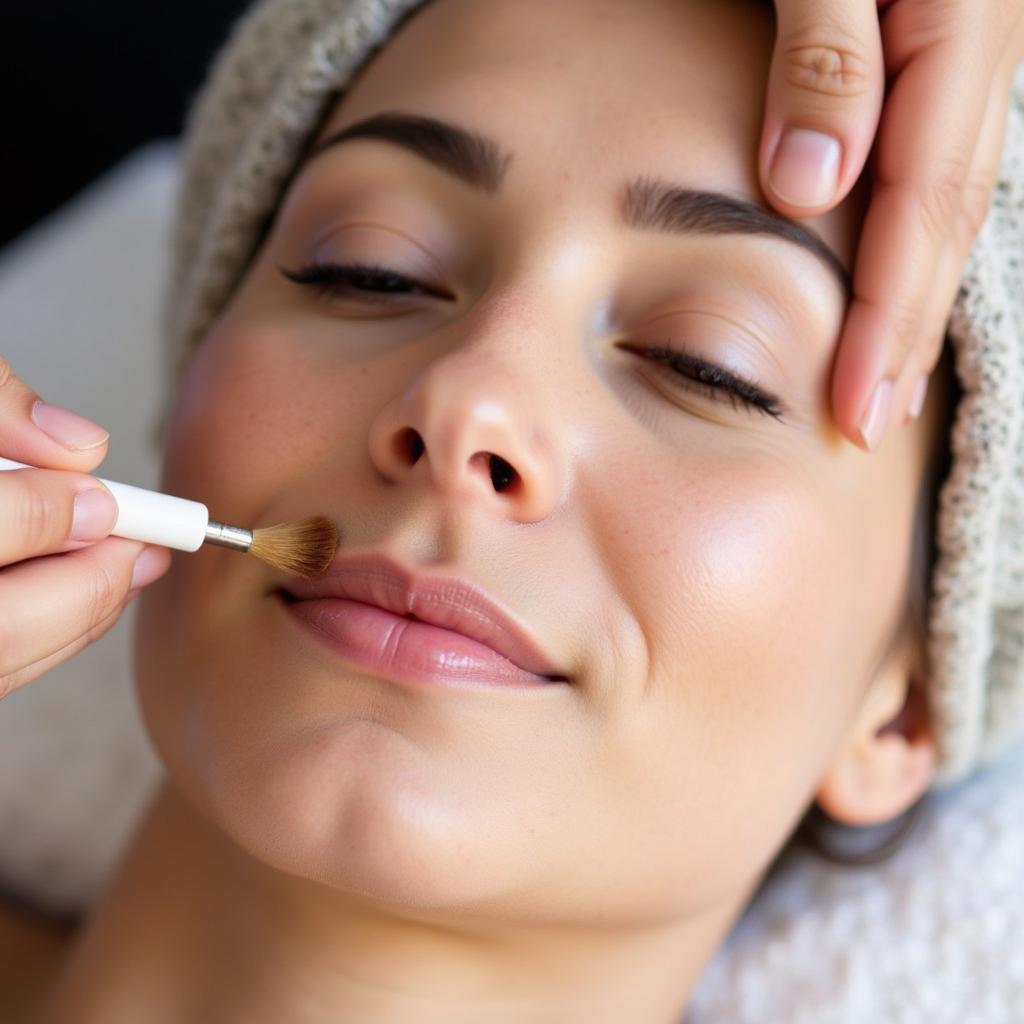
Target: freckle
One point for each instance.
(363, 371)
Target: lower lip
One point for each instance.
(368, 637)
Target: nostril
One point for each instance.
(502, 474)
(412, 444)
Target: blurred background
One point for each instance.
(88, 81)
(96, 95)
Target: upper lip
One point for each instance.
(450, 601)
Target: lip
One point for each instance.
(364, 598)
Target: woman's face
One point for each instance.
(715, 581)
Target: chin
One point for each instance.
(352, 805)
(358, 809)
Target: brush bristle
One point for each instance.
(305, 548)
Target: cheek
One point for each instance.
(256, 410)
(258, 414)
(731, 575)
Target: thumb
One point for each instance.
(824, 99)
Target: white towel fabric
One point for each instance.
(935, 935)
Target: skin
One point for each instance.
(718, 584)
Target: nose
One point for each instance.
(476, 426)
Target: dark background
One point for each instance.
(84, 82)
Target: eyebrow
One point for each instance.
(649, 204)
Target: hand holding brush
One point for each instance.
(70, 551)
(304, 547)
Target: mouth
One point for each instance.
(394, 622)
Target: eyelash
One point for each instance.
(713, 381)
(336, 280)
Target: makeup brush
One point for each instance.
(305, 547)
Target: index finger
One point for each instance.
(43, 435)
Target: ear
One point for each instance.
(889, 756)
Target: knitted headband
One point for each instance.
(265, 97)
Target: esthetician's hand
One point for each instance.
(949, 65)
(51, 604)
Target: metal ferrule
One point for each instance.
(236, 537)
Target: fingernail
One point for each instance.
(805, 169)
(873, 425)
(149, 566)
(94, 516)
(917, 399)
(67, 428)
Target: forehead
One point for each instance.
(589, 93)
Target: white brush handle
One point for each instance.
(151, 516)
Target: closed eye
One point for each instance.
(378, 285)
(693, 373)
(369, 282)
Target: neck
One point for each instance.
(191, 927)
